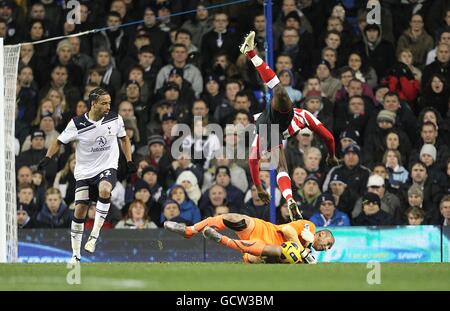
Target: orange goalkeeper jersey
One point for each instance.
(271, 234)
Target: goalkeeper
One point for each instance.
(259, 240)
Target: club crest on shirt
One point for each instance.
(101, 143)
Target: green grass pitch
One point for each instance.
(225, 276)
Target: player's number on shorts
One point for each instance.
(105, 174)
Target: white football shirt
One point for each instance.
(97, 146)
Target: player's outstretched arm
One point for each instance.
(52, 150)
(290, 234)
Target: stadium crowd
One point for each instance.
(381, 89)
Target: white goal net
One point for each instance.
(9, 59)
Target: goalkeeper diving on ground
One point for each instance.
(290, 120)
(260, 241)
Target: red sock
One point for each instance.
(267, 74)
(244, 246)
(284, 183)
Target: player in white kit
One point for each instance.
(97, 157)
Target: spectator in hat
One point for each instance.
(414, 200)
(380, 53)
(179, 55)
(142, 192)
(137, 217)
(329, 215)
(307, 197)
(171, 93)
(428, 154)
(188, 209)
(444, 207)
(188, 180)
(24, 218)
(255, 207)
(223, 178)
(158, 157)
(372, 214)
(313, 103)
(135, 73)
(346, 138)
(168, 122)
(389, 202)
(344, 197)
(64, 52)
(429, 134)
(54, 212)
(374, 147)
(36, 152)
(149, 176)
(187, 94)
(212, 96)
(183, 162)
(351, 170)
(329, 84)
(159, 109)
(398, 175)
(171, 211)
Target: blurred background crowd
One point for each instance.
(381, 89)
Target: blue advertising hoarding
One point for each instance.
(353, 244)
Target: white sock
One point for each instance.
(76, 234)
(101, 211)
(256, 60)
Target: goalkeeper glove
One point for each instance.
(44, 163)
(131, 167)
(308, 257)
(307, 236)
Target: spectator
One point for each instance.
(221, 210)
(137, 217)
(190, 72)
(328, 215)
(299, 175)
(371, 214)
(344, 197)
(329, 84)
(398, 175)
(296, 149)
(347, 138)
(223, 178)
(439, 66)
(416, 39)
(415, 216)
(54, 213)
(25, 219)
(436, 94)
(237, 173)
(255, 207)
(172, 211)
(379, 52)
(215, 196)
(401, 80)
(363, 72)
(415, 200)
(444, 207)
(159, 157)
(26, 199)
(288, 82)
(313, 103)
(189, 182)
(389, 202)
(283, 216)
(36, 152)
(199, 24)
(150, 177)
(308, 196)
(444, 37)
(405, 56)
(188, 209)
(428, 157)
(351, 170)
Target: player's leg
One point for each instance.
(236, 222)
(253, 247)
(105, 186)
(285, 184)
(281, 100)
(79, 217)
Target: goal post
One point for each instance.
(9, 59)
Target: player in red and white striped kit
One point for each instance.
(290, 120)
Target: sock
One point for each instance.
(284, 183)
(76, 234)
(101, 211)
(267, 74)
(252, 247)
(213, 222)
(253, 164)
